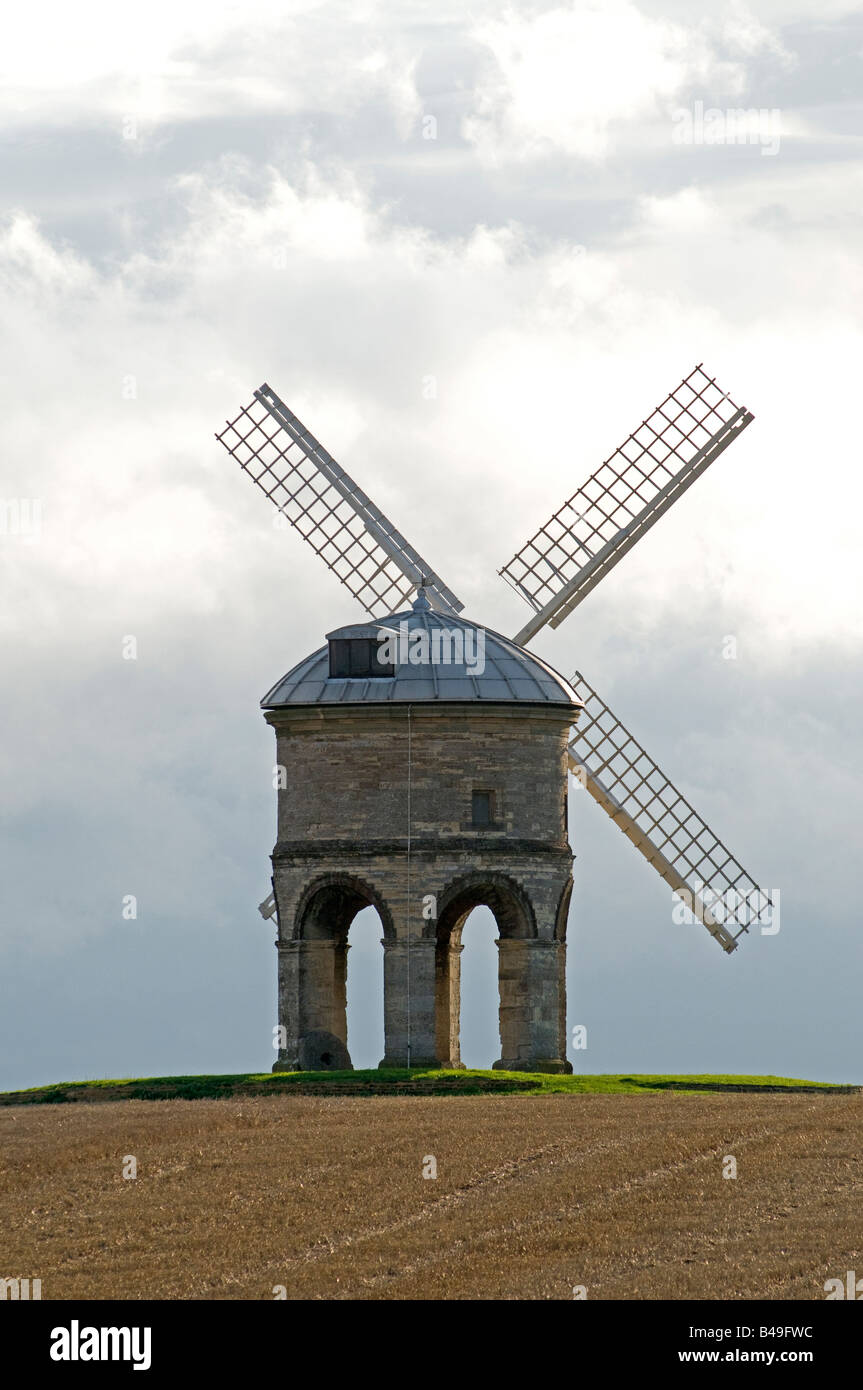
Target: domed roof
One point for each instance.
(436, 657)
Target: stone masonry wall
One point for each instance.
(343, 817)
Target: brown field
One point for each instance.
(621, 1194)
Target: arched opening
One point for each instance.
(504, 917)
(365, 989)
(332, 910)
(479, 1014)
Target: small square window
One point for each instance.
(481, 808)
(360, 650)
(353, 658)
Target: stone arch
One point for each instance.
(514, 915)
(507, 901)
(561, 917)
(313, 970)
(329, 904)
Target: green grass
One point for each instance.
(418, 1082)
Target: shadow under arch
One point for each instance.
(507, 901)
(561, 918)
(330, 903)
(321, 924)
(514, 916)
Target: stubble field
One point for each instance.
(325, 1197)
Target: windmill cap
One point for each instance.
(455, 661)
(421, 603)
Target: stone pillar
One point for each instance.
(409, 1003)
(448, 1005)
(532, 1006)
(289, 1005)
(340, 990)
(312, 996)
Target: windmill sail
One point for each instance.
(341, 524)
(660, 822)
(627, 495)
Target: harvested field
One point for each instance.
(326, 1196)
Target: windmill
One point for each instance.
(553, 573)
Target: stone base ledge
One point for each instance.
(296, 1066)
(557, 1066)
(420, 1063)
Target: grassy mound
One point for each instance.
(395, 1083)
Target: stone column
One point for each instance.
(532, 1006)
(409, 1003)
(312, 995)
(340, 990)
(448, 1005)
(289, 1005)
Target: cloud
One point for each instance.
(189, 59)
(348, 311)
(566, 80)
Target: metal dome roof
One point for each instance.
(493, 669)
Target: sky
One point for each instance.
(471, 247)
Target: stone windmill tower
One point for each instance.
(425, 760)
(424, 790)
